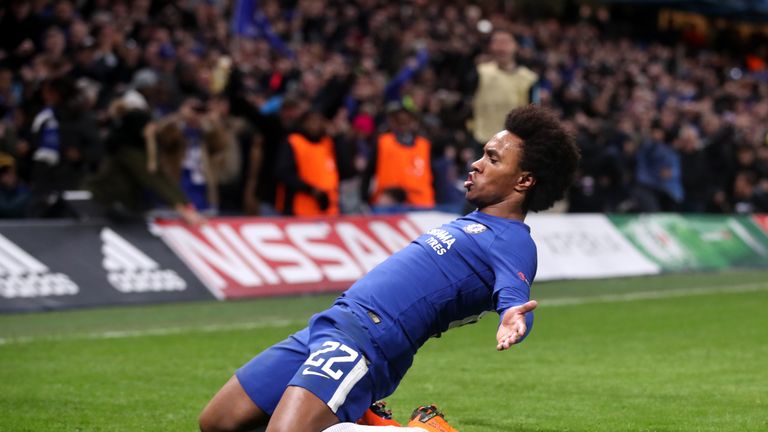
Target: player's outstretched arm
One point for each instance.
(513, 327)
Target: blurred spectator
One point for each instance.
(51, 168)
(143, 91)
(237, 162)
(400, 165)
(599, 172)
(448, 185)
(659, 182)
(14, 196)
(359, 133)
(720, 150)
(502, 85)
(19, 29)
(9, 139)
(307, 167)
(749, 194)
(271, 129)
(9, 92)
(135, 171)
(694, 171)
(208, 153)
(762, 159)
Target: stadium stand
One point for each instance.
(669, 120)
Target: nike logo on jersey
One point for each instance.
(306, 371)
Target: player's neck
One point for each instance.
(505, 210)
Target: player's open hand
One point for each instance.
(512, 327)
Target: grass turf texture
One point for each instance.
(669, 353)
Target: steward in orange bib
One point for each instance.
(401, 165)
(308, 171)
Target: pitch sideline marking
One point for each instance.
(655, 295)
(162, 331)
(562, 302)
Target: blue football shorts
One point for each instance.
(339, 367)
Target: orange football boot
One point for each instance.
(378, 415)
(430, 419)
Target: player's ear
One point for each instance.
(525, 181)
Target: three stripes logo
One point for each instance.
(23, 276)
(130, 270)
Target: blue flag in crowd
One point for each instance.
(248, 21)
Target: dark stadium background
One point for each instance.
(106, 326)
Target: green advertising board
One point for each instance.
(702, 242)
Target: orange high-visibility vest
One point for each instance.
(316, 163)
(408, 168)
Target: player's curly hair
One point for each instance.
(549, 153)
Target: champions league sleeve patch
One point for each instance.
(475, 228)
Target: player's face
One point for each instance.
(496, 177)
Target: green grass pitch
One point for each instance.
(668, 353)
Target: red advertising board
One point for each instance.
(762, 221)
(255, 257)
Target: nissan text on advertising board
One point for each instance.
(241, 257)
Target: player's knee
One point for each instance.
(207, 422)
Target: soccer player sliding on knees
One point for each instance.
(328, 376)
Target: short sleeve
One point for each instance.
(514, 266)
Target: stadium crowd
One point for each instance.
(209, 106)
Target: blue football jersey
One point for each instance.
(447, 277)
